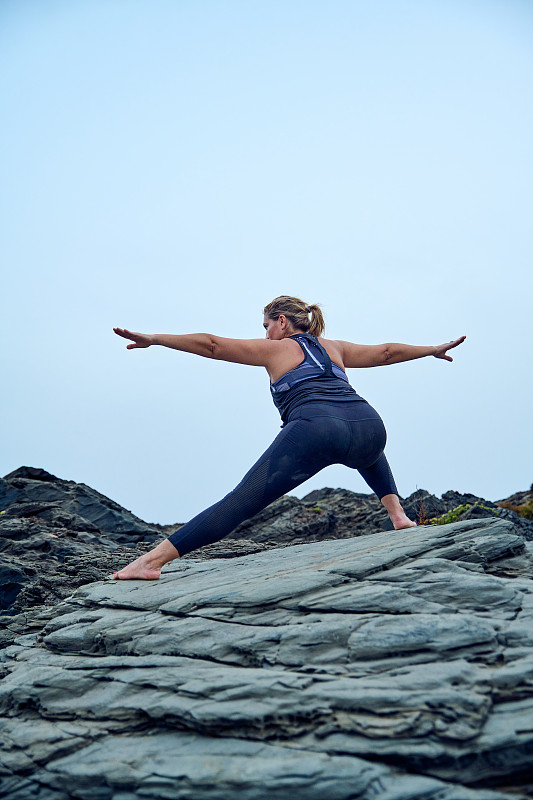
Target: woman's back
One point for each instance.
(316, 378)
(290, 356)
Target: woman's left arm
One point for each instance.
(377, 355)
(397, 353)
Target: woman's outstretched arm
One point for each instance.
(362, 355)
(256, 352)
(199, 343)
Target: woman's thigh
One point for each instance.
(300, 450)
(296, 454)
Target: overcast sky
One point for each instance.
(172, 165)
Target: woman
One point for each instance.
(324, 420)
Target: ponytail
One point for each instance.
(316, 325)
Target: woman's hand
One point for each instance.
(440, 350)
(138, 339)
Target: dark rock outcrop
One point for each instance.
(56, 535)
(340, 514)
(32, 492)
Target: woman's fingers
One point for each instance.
(123, 332)
(140, 339)
(442, 350)
(457, 342)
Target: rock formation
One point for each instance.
(349, 662)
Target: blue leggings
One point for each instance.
(317, 435)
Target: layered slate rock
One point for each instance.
(397, 665)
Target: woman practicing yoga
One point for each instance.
(324, 420)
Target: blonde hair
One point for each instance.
(297, 312)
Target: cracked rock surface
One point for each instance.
(391, 666)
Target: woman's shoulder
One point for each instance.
(334, 350)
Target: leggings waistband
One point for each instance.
(351, 411)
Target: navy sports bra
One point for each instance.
(317, 378)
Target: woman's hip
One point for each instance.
(350, 433)
(350, 411)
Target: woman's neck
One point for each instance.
(293, 333)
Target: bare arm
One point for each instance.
(361, 355)
(256, 352)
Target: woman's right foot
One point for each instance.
(148, 566)
(142, 569)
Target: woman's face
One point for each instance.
(275, 328)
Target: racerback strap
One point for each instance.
(328, 369)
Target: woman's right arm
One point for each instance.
(198, 343)
(255, 352)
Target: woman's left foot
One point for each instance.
(402, 521)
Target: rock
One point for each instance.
(425, 507)
(518, 498)
(339, 513)
(8, 493)
(181, 764)
(31, 473)
(38, 487)
(42, 561)
(11, 583)
(56, 535)
(519, 509)
(397, 665)
(521, 525)
(454, 499)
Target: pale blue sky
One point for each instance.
(173, 166)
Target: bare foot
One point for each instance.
(142, 569)
(397, 515)
(402, 521)
(148, 566)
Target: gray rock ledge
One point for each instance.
(393, 666)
